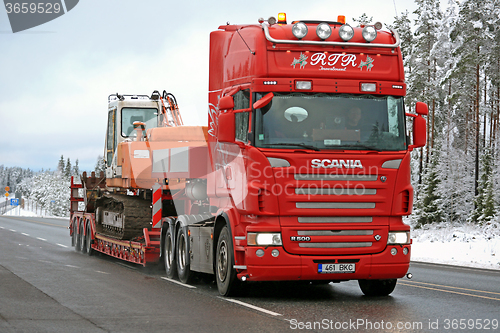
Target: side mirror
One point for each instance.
(421, 109)
(419, 126)
(226, 128)
(226, 103)
(263, 101)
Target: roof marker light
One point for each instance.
(341, 19)
(323, 31)
(282, 18)
(346, 32)
(299, 30)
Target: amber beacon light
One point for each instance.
(282, 18)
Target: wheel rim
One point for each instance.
(168, 252)
(222, 261)
(182, 252)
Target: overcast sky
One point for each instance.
(55, 78)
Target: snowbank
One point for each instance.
(458, 244)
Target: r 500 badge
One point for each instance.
(300, 238)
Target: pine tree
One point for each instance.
(67, 170)
(76, 169)
(428, 204)
(100, 165)
(60, 166)
(363, 20)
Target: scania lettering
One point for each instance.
(328, 164)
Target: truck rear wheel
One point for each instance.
(377, 287)
(76, 233)
(83, 246)
(183, 267)
(88, 242)
(225, 274)
(169, 255)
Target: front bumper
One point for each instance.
(288, 267)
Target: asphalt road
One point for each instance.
(45, 286)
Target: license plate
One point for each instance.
(336, 268)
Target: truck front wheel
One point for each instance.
(225, 274)
(377, 287)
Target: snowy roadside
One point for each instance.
(456, 244)
(444, 243)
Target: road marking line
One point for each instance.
(102, 272)
(30, 221)
(444, 286)
(42, 239)
(71, 266)
(251, 306)
(449, 291)
(178, 282)
(12, 230)
(2, 228)
(61, 245)
(25, 234)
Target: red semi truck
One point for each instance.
(302, 174)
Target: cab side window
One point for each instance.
(242, 102)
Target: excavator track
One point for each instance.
(122, 216)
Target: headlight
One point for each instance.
(264, 239)
(299, 30)
(401, 237)
(346, 32)
(323, 30)
(369, 33)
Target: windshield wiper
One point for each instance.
(303, 145)
(359, 146)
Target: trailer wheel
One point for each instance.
(78, 239)
(169, 255)
(73, 234)
(377, 287)
(88, 242)
(225, 274)
(83, 246)
(183, 267)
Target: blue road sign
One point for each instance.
(14, 202)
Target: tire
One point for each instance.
(225, 274)
(83, 248)
(73, 235)
(377, 287)
(78, 239)
(182, 258)
(88, 241)
(169, 255)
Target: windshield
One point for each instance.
(331, 121)
(131, 115)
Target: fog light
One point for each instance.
(275, 253)
(405, 251)
(259, 253)
(323, 30)
(369, 33)
(394, 251)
